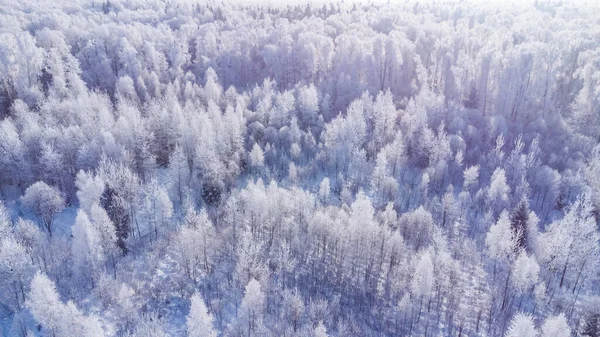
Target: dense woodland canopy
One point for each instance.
(172, 168)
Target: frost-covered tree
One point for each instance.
(45, 202)
(252, 307)
(89, 189)
(501, 240)
(13, 160)
(571, 245)
(192, 247)
(471, 176)
(556, 326)
(521, 325)
(497, 193)
(57, 317)
(387, 169)
(120, 197)
(324, 188)
(525, 272)
(157, 208)
(256, 157)
(87, 250)
(150, 325)
(5, 223)
(16, 271)
(199, 321)
(105, 228)
(416, 227)
(423, 279)
(179, 175)
(308, 106)
(320, 330)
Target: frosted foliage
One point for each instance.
(45, 201)
(104, 226)
(199, 322)
(16, 270)
(89, 189)
(57, 317)
(257, 156)
(525, 272)
(521, 325)
(149, 325)
(500, 239)
(423, 279)
(5, 222)
(556, 326)
(88, 253)
(320, 330)
(299, 168)
(252, 305)
(324, 188)
(498, 190)
(471, 175)
(308, 104)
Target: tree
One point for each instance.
(293, 307)
(13, 164)
(44, 303)
(556, 326)
(192, 247)
(179, 174)
(52, 165)
(471, 176)
(89, 189)
(252, 306)
(256, 157)
(521, 325)
(45, 201)
(250, 261)
(497, 193)
(525, 272)
(423, 278)
(149, 325)
(416, 227)
(120, 299)
(503, 247)
(324, 190)
(591, 173)
(383, 184)
(308, 106)
(384, 119)
(212, 88)
(320, 330)
(57, 318)
(87, 251)
(591, 326)
(16, 271)
(519, 223)
(105, 228)
(572, 243)
(118, 214)
(386, 60)
(158, 207)
(199, 321)
(584, 117)
(120, 197)
(29, 235)
(501, 241)
(5, 223)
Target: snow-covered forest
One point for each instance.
(183, 168)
